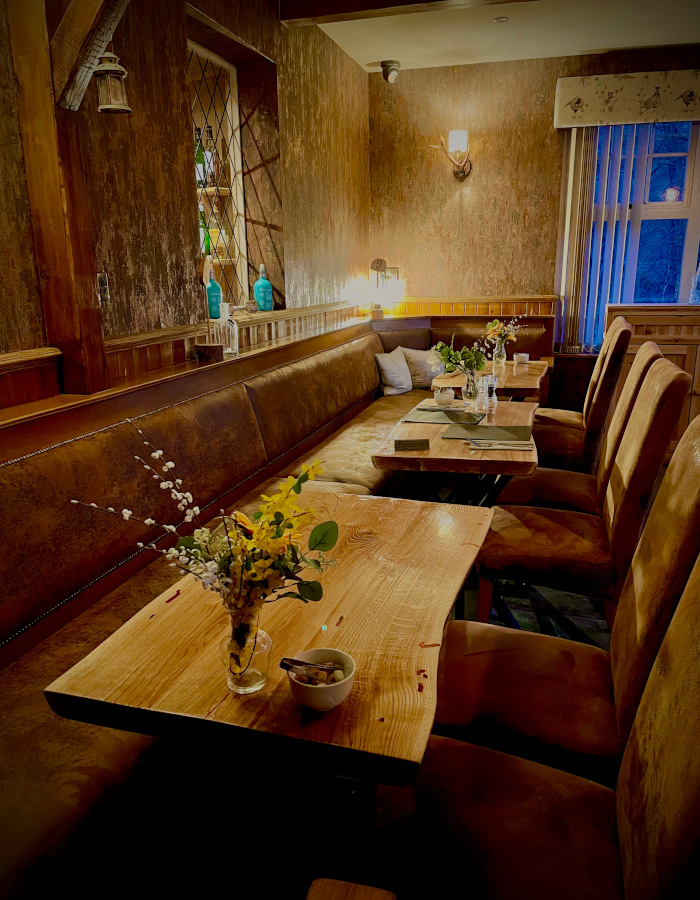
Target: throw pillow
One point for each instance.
(421, 372)
(396, 377)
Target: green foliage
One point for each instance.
(467, 359)
(324, 536)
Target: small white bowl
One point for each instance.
(323, 696)
(444, 398)
(521, 359)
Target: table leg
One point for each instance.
(483, 607)
(494, 486)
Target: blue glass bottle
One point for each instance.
(214, 298)
(262, 290)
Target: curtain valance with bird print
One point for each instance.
(629, 99)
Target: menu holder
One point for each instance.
(443, 417)
(495, 433)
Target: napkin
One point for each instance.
(443, 417)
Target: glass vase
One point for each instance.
(499, 356)
(245, 654)
(469, 390)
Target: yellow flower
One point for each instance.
(314, 470)
(244, 521)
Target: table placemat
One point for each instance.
(443, 417)
(489, 432)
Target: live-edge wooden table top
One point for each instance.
(401, 564)
(517, 381)
(454, 455)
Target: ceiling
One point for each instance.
(538, 29)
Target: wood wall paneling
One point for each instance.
(137, 354)
(28, 375)
(676, 329)
(57, 199)
(140, 172)
(22, 431)
(21, 312)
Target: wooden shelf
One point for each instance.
(213, 191)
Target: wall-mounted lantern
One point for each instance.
(110, 85)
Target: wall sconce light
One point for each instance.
(457, 151)
(111, 90)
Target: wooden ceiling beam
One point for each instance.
(316, 12)
(81, 38)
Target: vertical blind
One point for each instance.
(614, 207)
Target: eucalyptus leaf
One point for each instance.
(324, 536)
(310, 590)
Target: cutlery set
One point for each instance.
(500, 445)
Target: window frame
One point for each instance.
(637, 208)
(240, 232)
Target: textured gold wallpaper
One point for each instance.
(495, 233)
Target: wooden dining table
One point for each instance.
(519, 381)
(458, 456)
(400, 566)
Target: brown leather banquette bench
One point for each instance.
(228, 444)
(536, 334)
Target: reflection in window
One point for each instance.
(659, 260)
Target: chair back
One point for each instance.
(658, 789)
(597, 368)
(647, 354)
(639, 457)
(659, 570)
(594, 419)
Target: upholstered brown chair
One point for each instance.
(504, 828)
(569, 418)
(579, 552)
(567, 704)
(559, 489)
(569, 440)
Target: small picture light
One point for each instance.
(390, 70)
(110, 85)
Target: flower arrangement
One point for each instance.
(243, 560)
(499, 333)
(465, 360)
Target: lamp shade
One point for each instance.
(457, 142)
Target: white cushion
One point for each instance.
(422, 373)
(396, 377)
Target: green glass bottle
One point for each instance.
(204, 240)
